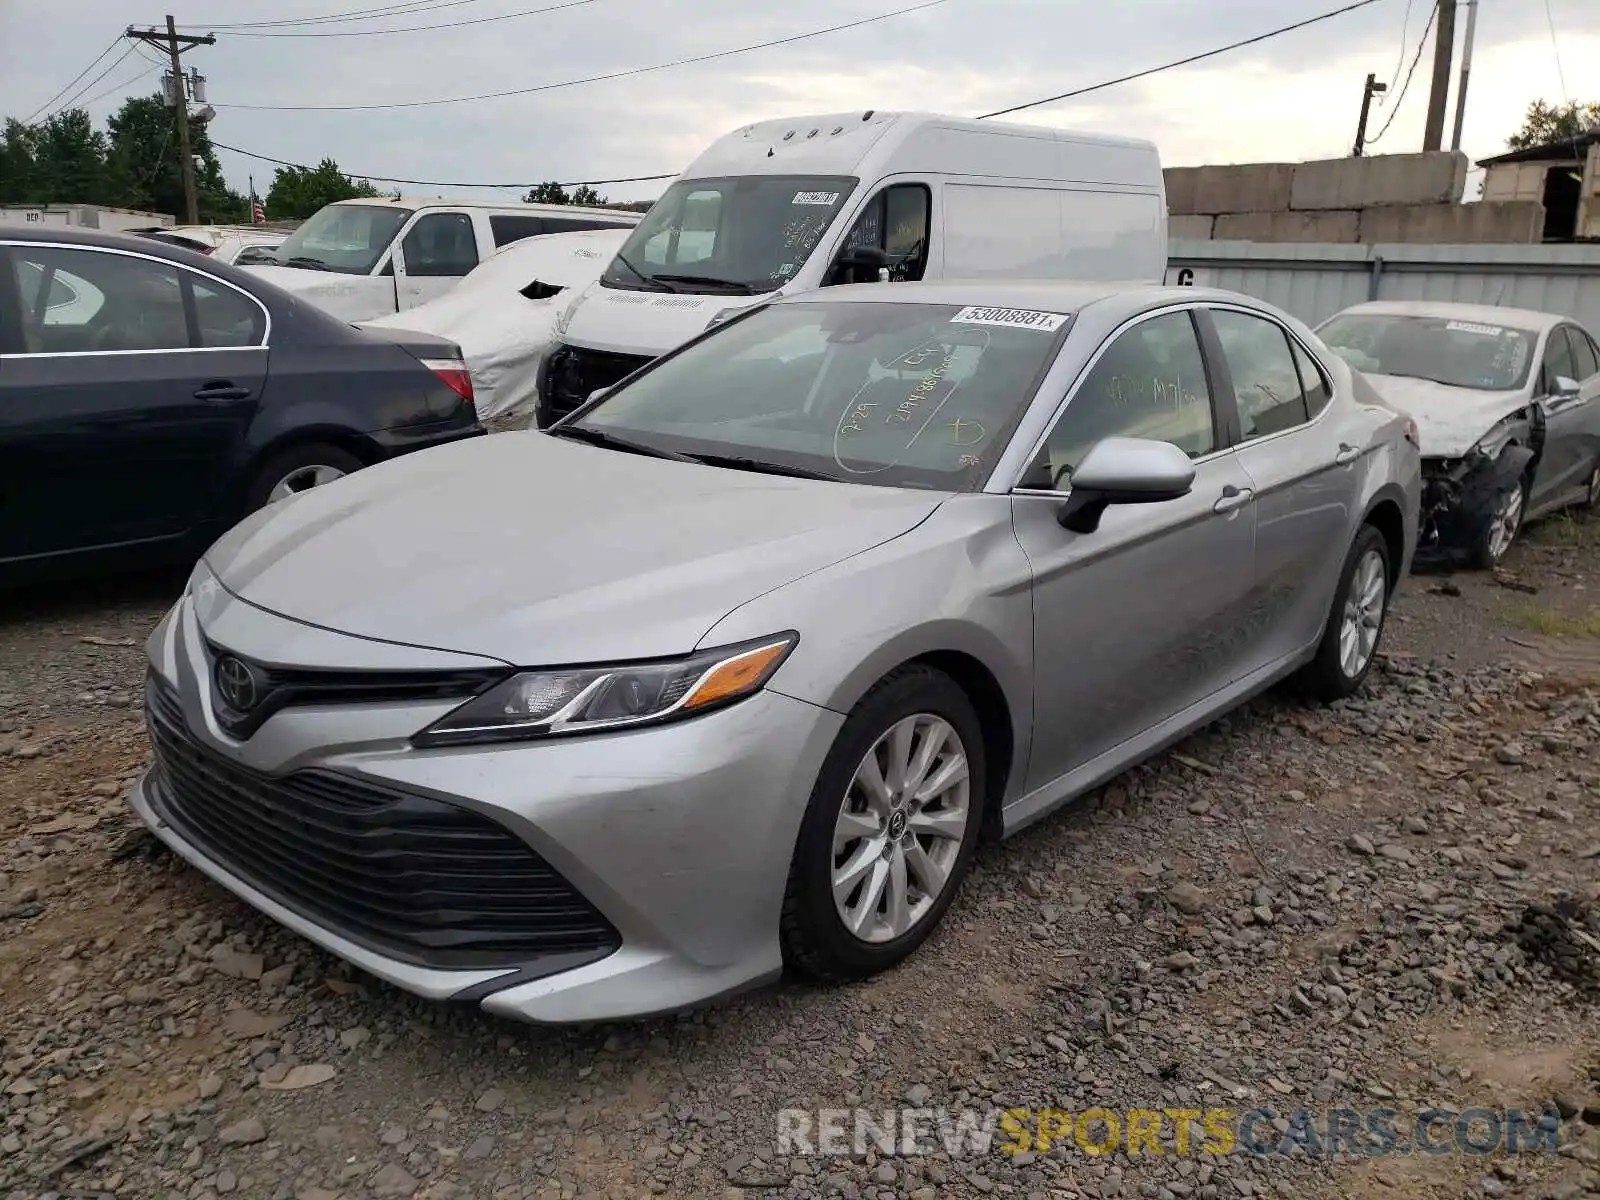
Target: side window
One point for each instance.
(440, 244)
(1586, 354)
(508, 229)
(895, 221)
(1312, 381)
(1149, 383)
(76, 301)
(225, 317)
(577, 224)
(1557, 360)
(1266, 381)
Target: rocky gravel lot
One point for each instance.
(1390, 903)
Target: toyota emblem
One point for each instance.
(236, 683)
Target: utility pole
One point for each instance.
(1373, 88)
(176, 43)
(1444, 46)
(1466, 69)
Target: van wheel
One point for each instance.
(1355, 624)
(890, 829)
(298, 469)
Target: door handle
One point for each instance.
(222, 391)
(1347, 454)
(1232, 498)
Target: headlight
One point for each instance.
(562, 702)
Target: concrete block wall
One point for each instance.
(1384, 198)
(1514, 221)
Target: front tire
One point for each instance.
(890, 830)
(1495, 542)
(1355, 625)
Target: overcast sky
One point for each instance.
(1291, 98)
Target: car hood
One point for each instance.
(650, 323)
(1450, 420)
(350, 297)
(536, 550)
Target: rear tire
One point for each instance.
(1355, 623)
(298, 469)
(884, 849)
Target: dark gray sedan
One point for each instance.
(150, 397)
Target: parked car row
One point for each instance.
(803, 600)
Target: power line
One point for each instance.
(93, 63)
(360, 14)
(284, 162)
(121, 87)
(632, 71)
(1182, 62)
(78, 95)
(349, 33)
(1421, 43)
(1405, 40)
(1555, 46)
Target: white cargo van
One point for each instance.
(806, 202)
(361, 259)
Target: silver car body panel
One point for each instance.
(533, 551)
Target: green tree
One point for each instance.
(70, 160)
(19, 152)
(297, 192)
(547, 193)
(1546, 123)
(587, 195)
(146, 171)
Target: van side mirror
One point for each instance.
(1120, 470)
(863, 260)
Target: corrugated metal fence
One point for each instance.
(1314, 281)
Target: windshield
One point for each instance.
(746, 234)
(905, 395)
(349, 238)
(1464, 354)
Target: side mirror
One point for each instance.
(1565, 389)
(1121, 470)
(866, 258)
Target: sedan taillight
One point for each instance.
(454, 373)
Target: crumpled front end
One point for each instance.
(1461, 495)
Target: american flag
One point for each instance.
(258, 213)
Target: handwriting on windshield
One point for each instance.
(913, 414)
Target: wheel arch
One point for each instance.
(340, 437)
(1386, 514)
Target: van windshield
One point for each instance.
(348, 238)
(746, 234)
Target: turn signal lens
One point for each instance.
(735, 677)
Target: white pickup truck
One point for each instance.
(360, 259)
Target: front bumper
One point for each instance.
(680, 835)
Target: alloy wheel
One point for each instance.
(1506, 522)
(1363, 614)
(303, 479)
(1591, 497)
(900, 828)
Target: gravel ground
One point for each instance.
(1387, 903)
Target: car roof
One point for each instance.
(71, 235)
(1041, 295)
(1483, 314)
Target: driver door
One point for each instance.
(437, 251)
(1570, 445)
(1135, 622)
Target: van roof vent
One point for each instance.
(867, 116)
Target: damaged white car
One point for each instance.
(1507, 402)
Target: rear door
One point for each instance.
(126, 386)
(439, 247)
(1304, 468)
(1569, 452)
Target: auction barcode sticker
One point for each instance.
(1472, 327)
(1017, 318)
(819, 199)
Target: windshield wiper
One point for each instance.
(610, 441)
(761, 466)
(300, 260)
(642, 277)
(738, 285)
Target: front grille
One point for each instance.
(572, 374)
(402, 875)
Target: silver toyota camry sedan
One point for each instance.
(733, 668)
